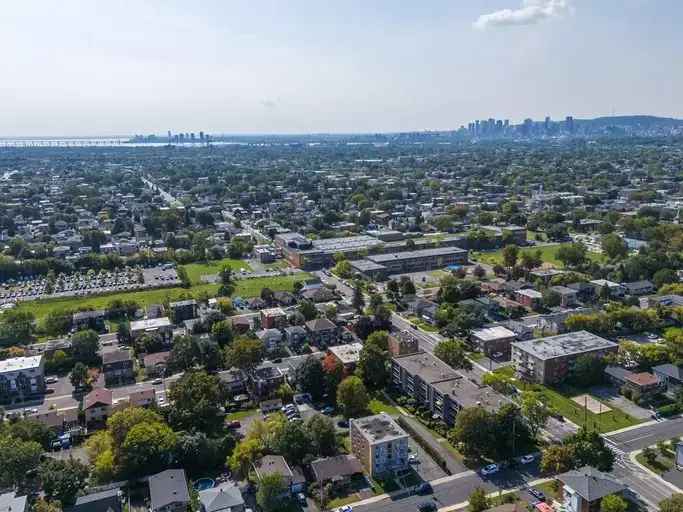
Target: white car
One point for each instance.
(412, 459)
(345, 508)
(490, 469)
(527, 459)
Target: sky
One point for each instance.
(77, 67)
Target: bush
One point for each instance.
(669, 410)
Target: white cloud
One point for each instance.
(531, 12)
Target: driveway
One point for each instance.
(439, 445)
(426, 468)
(610, 395)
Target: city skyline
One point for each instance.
(307, 68)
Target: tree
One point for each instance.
(588, 370)
(672, 504)
(309, 377)
(358, 302)
(222, 332)
(472, 431)
(195, 399)
(307, 309)
(613, 503)
(148, 448)
(510, 253)
(227, 281)
(373, 366)
(43, 505)
(380, 339)
(572, 255)
(183, 353)
(84, 346)
(407, 286)
(244, 455)
(293, 442)
(62, 479)
(322, 434)
(478, 502)
(664, 276)
(18, 458)
(121, 422)
(79, 375)
(557, 458)
(479, 272)
(343, 269)
(452, 352)
(535, 411)
(590, 450)
(614, 246)
(531, 260)
(245, 353)
(270, 491)
(650, 455)
(285, 393)
(352, 397)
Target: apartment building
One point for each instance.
(379, 443)
(549, 360)
(402, 343)
(21, 378)
(435, 385)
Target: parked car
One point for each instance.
(412, 459)
(327, 410)
(527, 459)
(301, 498)
(234, 424)
(426, 506)
(156, 382)
(343, 424)
(51, 380)
(490, 469)
(345, 508)
(537, 494)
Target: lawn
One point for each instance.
(196, 270)
(605, 422)
(550, 489)
(662, 463)
(243, 288)
(561, 402)
(240, 415)
(422, 324)
(379, 403)
(548, 255)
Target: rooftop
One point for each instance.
(493, 333)
(428, 367)
(567, 344)
(18, 364)
(380, 427)
(409, 255)
(168, 487)
(468, 394)
(150, 323)
(347, 354)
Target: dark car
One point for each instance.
(537, 494)
(426, 506)
(424, 488)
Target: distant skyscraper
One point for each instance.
(546, 124)
(201, 136)
(569, 124)
(169, 136)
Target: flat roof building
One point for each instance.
(549, 360)
(380, 444)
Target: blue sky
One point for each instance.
(84, 67)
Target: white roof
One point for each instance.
(20, 363)
(493, 333)
(150, 323)
(347, 354)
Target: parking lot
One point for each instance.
(423, 464)
(88, 283)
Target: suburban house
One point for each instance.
(379, 443)
(271, 338)
(276, 464)
(225, 497)
(549, 360)
(568, 296)
(295, 335)
(234, 380)
(347, 355)
(161, 327)
(89, 320)
(583, 489)
(322, 332)
(265, 379)
(492, 340)
(97, 405)
(529, 298)
(273, 318)
(117, 367)
(155, 363)
(110, 500)
(636, 386)
(670, 375)
(168, 491)
(338, 469)
(638, 288)
(21, 377)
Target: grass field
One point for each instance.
(561, 402)
(196, 270)
(379, 403)
(548, 255)
(243, 288)
(240, 415)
